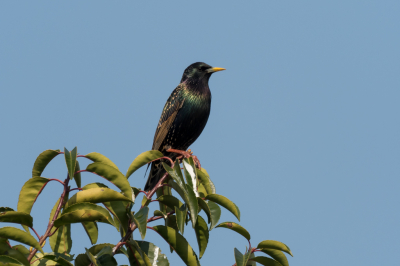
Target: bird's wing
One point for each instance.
(171, 109)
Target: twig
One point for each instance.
(35, 233)
(51, 223)
(58, 180)
(77, 188)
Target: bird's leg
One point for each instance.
(186, 154)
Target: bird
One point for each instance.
(183, 118)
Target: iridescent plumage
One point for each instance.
(184, 116)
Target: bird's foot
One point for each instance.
(186, 154)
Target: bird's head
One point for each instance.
(199, 72)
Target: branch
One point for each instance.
(51, 223)
(58, 180)
(35, 233)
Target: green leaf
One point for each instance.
(179, 244)
(42, 161)
(113, 175)
(190, 173)
(202, 234)
(215, 213)
(180, 217)
(235, 227)
(276, 255)
(12, 252)
(204, 178)
(83, 206)
(92, 231)
(19, 236)
(91, 257)
(82, 260)
(273, 244)
(141, 220)
(81, 216)
(60, 260)
(266, 261)
(29, 192)
(118, 209)
(226, 203)
(70, 160)
(160, 213)
(9, 261)
(193, 205)
(203, 205)
(16, 217)
(96, 195)
(143, 159)
(153, 253)
(77, 176)
(170, 201)
(136, 255)
(22, 249)
(100, 158)
(61, 241)
(105, 257)
(175, 173)
(97, 248)
(239, 258)
(6, 209)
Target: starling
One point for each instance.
(184, 116)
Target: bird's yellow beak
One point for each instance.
(215, 69)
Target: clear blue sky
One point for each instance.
(304, 128)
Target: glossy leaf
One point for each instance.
(100, 158)
(42, 161)
(96, 195)
(77, 175)
(179, 190)
(235, 227)
(202, 235)
(61, 241)
(117, 208)
(276, 255)
(190, 174)
(175, 173)
(203, 205)
(136, 255)
(180, 218)
(141, 220)
(18, 235)
(12, 252)
(9, 261)
(226, 203)
(81, 216)
(113, 175)
(16, 217)
(193, 205)
(22, 249)
(97, 248)
(179, 244)
(273, 244)
(29, 192)
(170, 201)
(83, 206)
(70, 160)
(141, 160)
(153, 253)
(204, 178)
(92, 231)
(266, 261)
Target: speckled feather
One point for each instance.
(183, 118)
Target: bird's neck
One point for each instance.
(199, 87)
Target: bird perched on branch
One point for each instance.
(183, 118)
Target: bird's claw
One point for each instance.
(186, 154)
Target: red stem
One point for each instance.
(35, 233)
(58, 180)
(77, 188)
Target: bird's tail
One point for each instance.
(156, 172)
